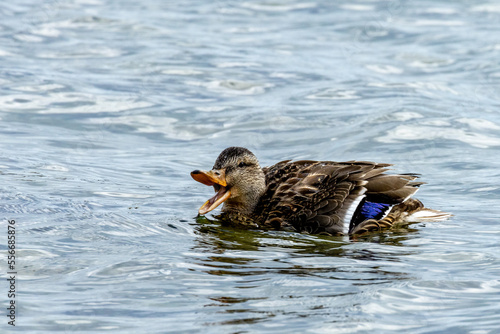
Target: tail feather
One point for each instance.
(427, 215)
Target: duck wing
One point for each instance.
(325, 196)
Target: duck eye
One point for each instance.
(242, 164)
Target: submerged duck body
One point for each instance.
(326, 197)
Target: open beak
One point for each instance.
(216, 178)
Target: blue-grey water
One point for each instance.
(106, 106)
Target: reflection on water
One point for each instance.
(365, 281)
(277, 271)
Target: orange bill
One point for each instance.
(221, 196)
(211, 178)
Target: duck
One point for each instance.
(315, 197)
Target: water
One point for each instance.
(106, 106)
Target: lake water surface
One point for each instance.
(106, 106)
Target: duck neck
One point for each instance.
(245, 200)
(243, 204)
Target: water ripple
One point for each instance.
(106, 107)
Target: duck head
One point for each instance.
(238, 181)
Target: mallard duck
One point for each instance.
(324, 197)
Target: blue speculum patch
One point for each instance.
(372, 210)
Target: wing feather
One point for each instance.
(322, 196)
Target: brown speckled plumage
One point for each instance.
(312, 196)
